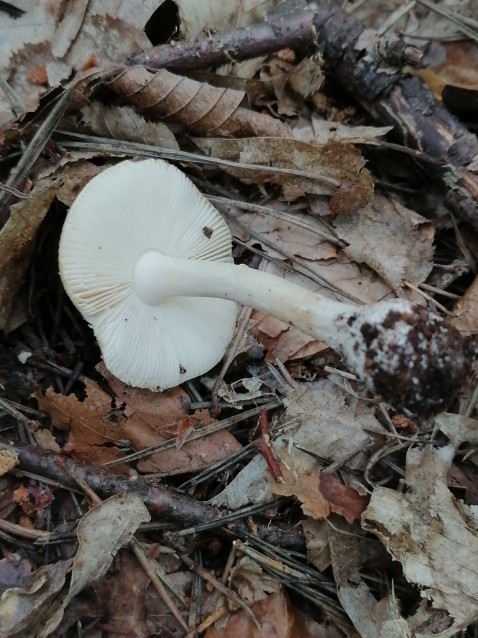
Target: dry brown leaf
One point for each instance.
(251, 582)
(154, 417)
(281, 341)
(143, 418)
(394, 241)
(17, 237)
(322, 494)
(277, 617)
(123, 123)
(89, 424)
(123, 599)
(202, 108)
(335, 169)
(465, 312)
(316, 535)
(297, 234)
(431, 533)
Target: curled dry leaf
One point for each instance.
(201, 108)
(432, 534)
(23, 608)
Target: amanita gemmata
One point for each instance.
(147, 261)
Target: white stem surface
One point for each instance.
(397, 348)
(158, 277)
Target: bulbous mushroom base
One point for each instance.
(407, 355)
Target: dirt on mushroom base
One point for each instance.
(434, 356)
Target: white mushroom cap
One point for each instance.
(123, 213)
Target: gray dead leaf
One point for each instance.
(432, 534)
(22, 610)
(458, 428)
(394, 241)
(104, 530)
(101, 533)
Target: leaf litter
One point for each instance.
(331, 486)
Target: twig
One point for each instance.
(290, 28)
(171, 505)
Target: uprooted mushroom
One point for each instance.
(147, 261)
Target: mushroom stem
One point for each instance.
(158, 277)
(397, 348)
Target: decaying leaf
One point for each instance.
(458, 428)
(23, 608)
(38, 51)
(98, 426)
(335, 169)
(465, 312)
(123, 123)
(251, 582)
(393, 240)
(330, 425)
(17, 237)
(349, 551)
(431, 533)
(123, 600)
(321, 494)
(277, 618)
(102, 532)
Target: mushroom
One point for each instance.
(147, 261)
